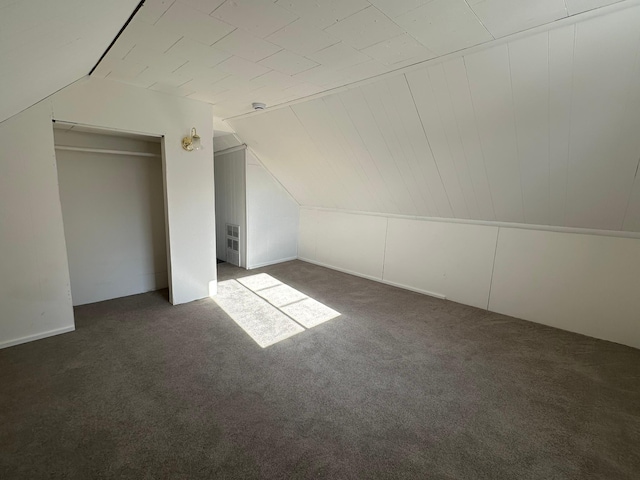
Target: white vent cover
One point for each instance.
(233, 244)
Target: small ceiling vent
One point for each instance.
(258, 106)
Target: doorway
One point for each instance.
(230, 206)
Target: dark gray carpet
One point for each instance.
(400, 386)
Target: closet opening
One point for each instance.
(112, 192)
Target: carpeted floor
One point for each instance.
(399, 386)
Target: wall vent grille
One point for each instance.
(233, 244)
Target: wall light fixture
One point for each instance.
(192, 141)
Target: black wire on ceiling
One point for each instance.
(133, 14)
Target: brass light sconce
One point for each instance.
(192, 141)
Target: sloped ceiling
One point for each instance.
(232, 52)
(542, 130)
(46, 45)
(223, 142)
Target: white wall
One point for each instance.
(230, 200)
(35, 298)
(272, 218)
(113, 213)
(351, 243)
(583, 283)
(188, 175)
(453, 260)
(249, 196)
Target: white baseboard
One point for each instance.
(375, 279)
(37, 336)
(413, 289)
(272, 262)
(343, 270)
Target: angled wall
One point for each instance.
(540, 129)
(499, 177)
(35, 296)
(272, 218)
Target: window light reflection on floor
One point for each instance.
(268, 310)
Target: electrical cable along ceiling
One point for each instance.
(539, 129)
(45, 45)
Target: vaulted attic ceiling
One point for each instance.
(232, 52)
(539, 130)
(46, 45)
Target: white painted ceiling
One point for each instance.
(46, 45)
(224, 141)
(540, 130)
(231, 53)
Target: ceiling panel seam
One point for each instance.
(475, 121)
(310, 139)
(480, 21)
(348, 148)
(394, 120)
(363, 169)
(272, 175)
(573, 77)
(339, 178)
(429, 144)
(636, 76)
(464, 154)
(368, 153)
(549, 198)
(569, 20)
(446, 137)
(635, 176)
(389, 150)
(515, 125)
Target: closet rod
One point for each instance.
(102, 150)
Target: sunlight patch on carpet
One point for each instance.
(259, 282)
(309, 312)
(268, 310)
(281, 295)
(260, 320)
